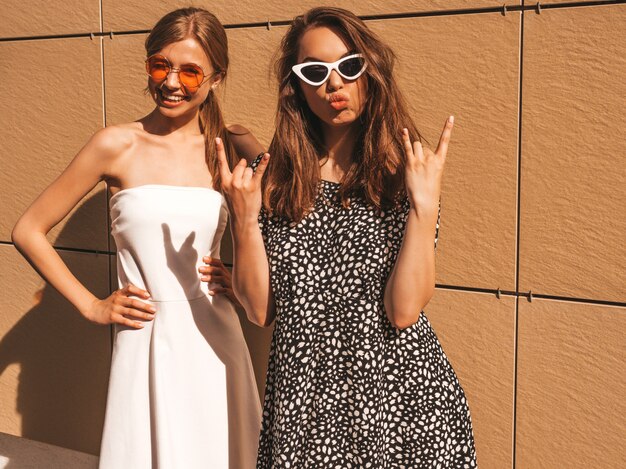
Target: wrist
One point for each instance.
(85, 305)
(243, 226)
(424, 213)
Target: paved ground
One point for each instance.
(20, 453)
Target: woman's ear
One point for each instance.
(219, 76)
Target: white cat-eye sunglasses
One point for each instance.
(316, 73)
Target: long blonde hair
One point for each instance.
(205, 28)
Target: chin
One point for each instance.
(174, 112)
(345, 117)
(341, 121)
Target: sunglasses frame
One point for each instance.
(177, 70)
(297, 69)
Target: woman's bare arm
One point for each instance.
(88, 168)
(412, 281)
(250, 279)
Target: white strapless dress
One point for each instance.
(182, 392)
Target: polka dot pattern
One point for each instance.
(345, 389)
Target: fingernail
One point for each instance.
(218, 140)
(451, 119)
(204, 278)
(153, 309)
(140, 325)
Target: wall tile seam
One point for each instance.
(501, 10)
(497, 292)
(518, 219)
(269, 23)
(518, 234)
(515, 376)
(531, 295)
(69, 249)
(101, 14)
(104, 124)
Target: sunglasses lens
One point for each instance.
(158, 69)
(351, 68)
(190, 76)
(314, 73)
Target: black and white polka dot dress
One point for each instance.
(345, 389)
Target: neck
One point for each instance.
(339, 143)
(184, 125)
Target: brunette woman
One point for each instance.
(182, 392)
(343, 259)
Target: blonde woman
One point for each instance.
(182, 392)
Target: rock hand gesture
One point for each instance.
(250, 279)
(423, 171)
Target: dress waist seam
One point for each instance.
(178, 300)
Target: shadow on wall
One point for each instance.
(63, 358)
(257, 338)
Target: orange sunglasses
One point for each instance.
(191, 76)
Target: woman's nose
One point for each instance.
(334, 81)
(172, 81)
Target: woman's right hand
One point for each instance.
(119, 308)
(242, 186)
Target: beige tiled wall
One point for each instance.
(125, 78)
(467, 65)
(54, 364)
(477, 332)
(42, 17)
(571, 384)
(252, 52)
(538, 100)
(573, 146)
(58, 84)
(121, 15)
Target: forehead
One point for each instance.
(185, 51)
(322, 43)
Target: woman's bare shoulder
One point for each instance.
(114, 140)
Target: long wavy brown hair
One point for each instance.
(205, 28)
(292, 180)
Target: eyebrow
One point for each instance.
(315, 59)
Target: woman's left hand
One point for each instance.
(423, 171)
(216, 272)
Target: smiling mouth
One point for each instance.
(171, 99)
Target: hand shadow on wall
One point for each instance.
(221, 329)
(64, 359)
